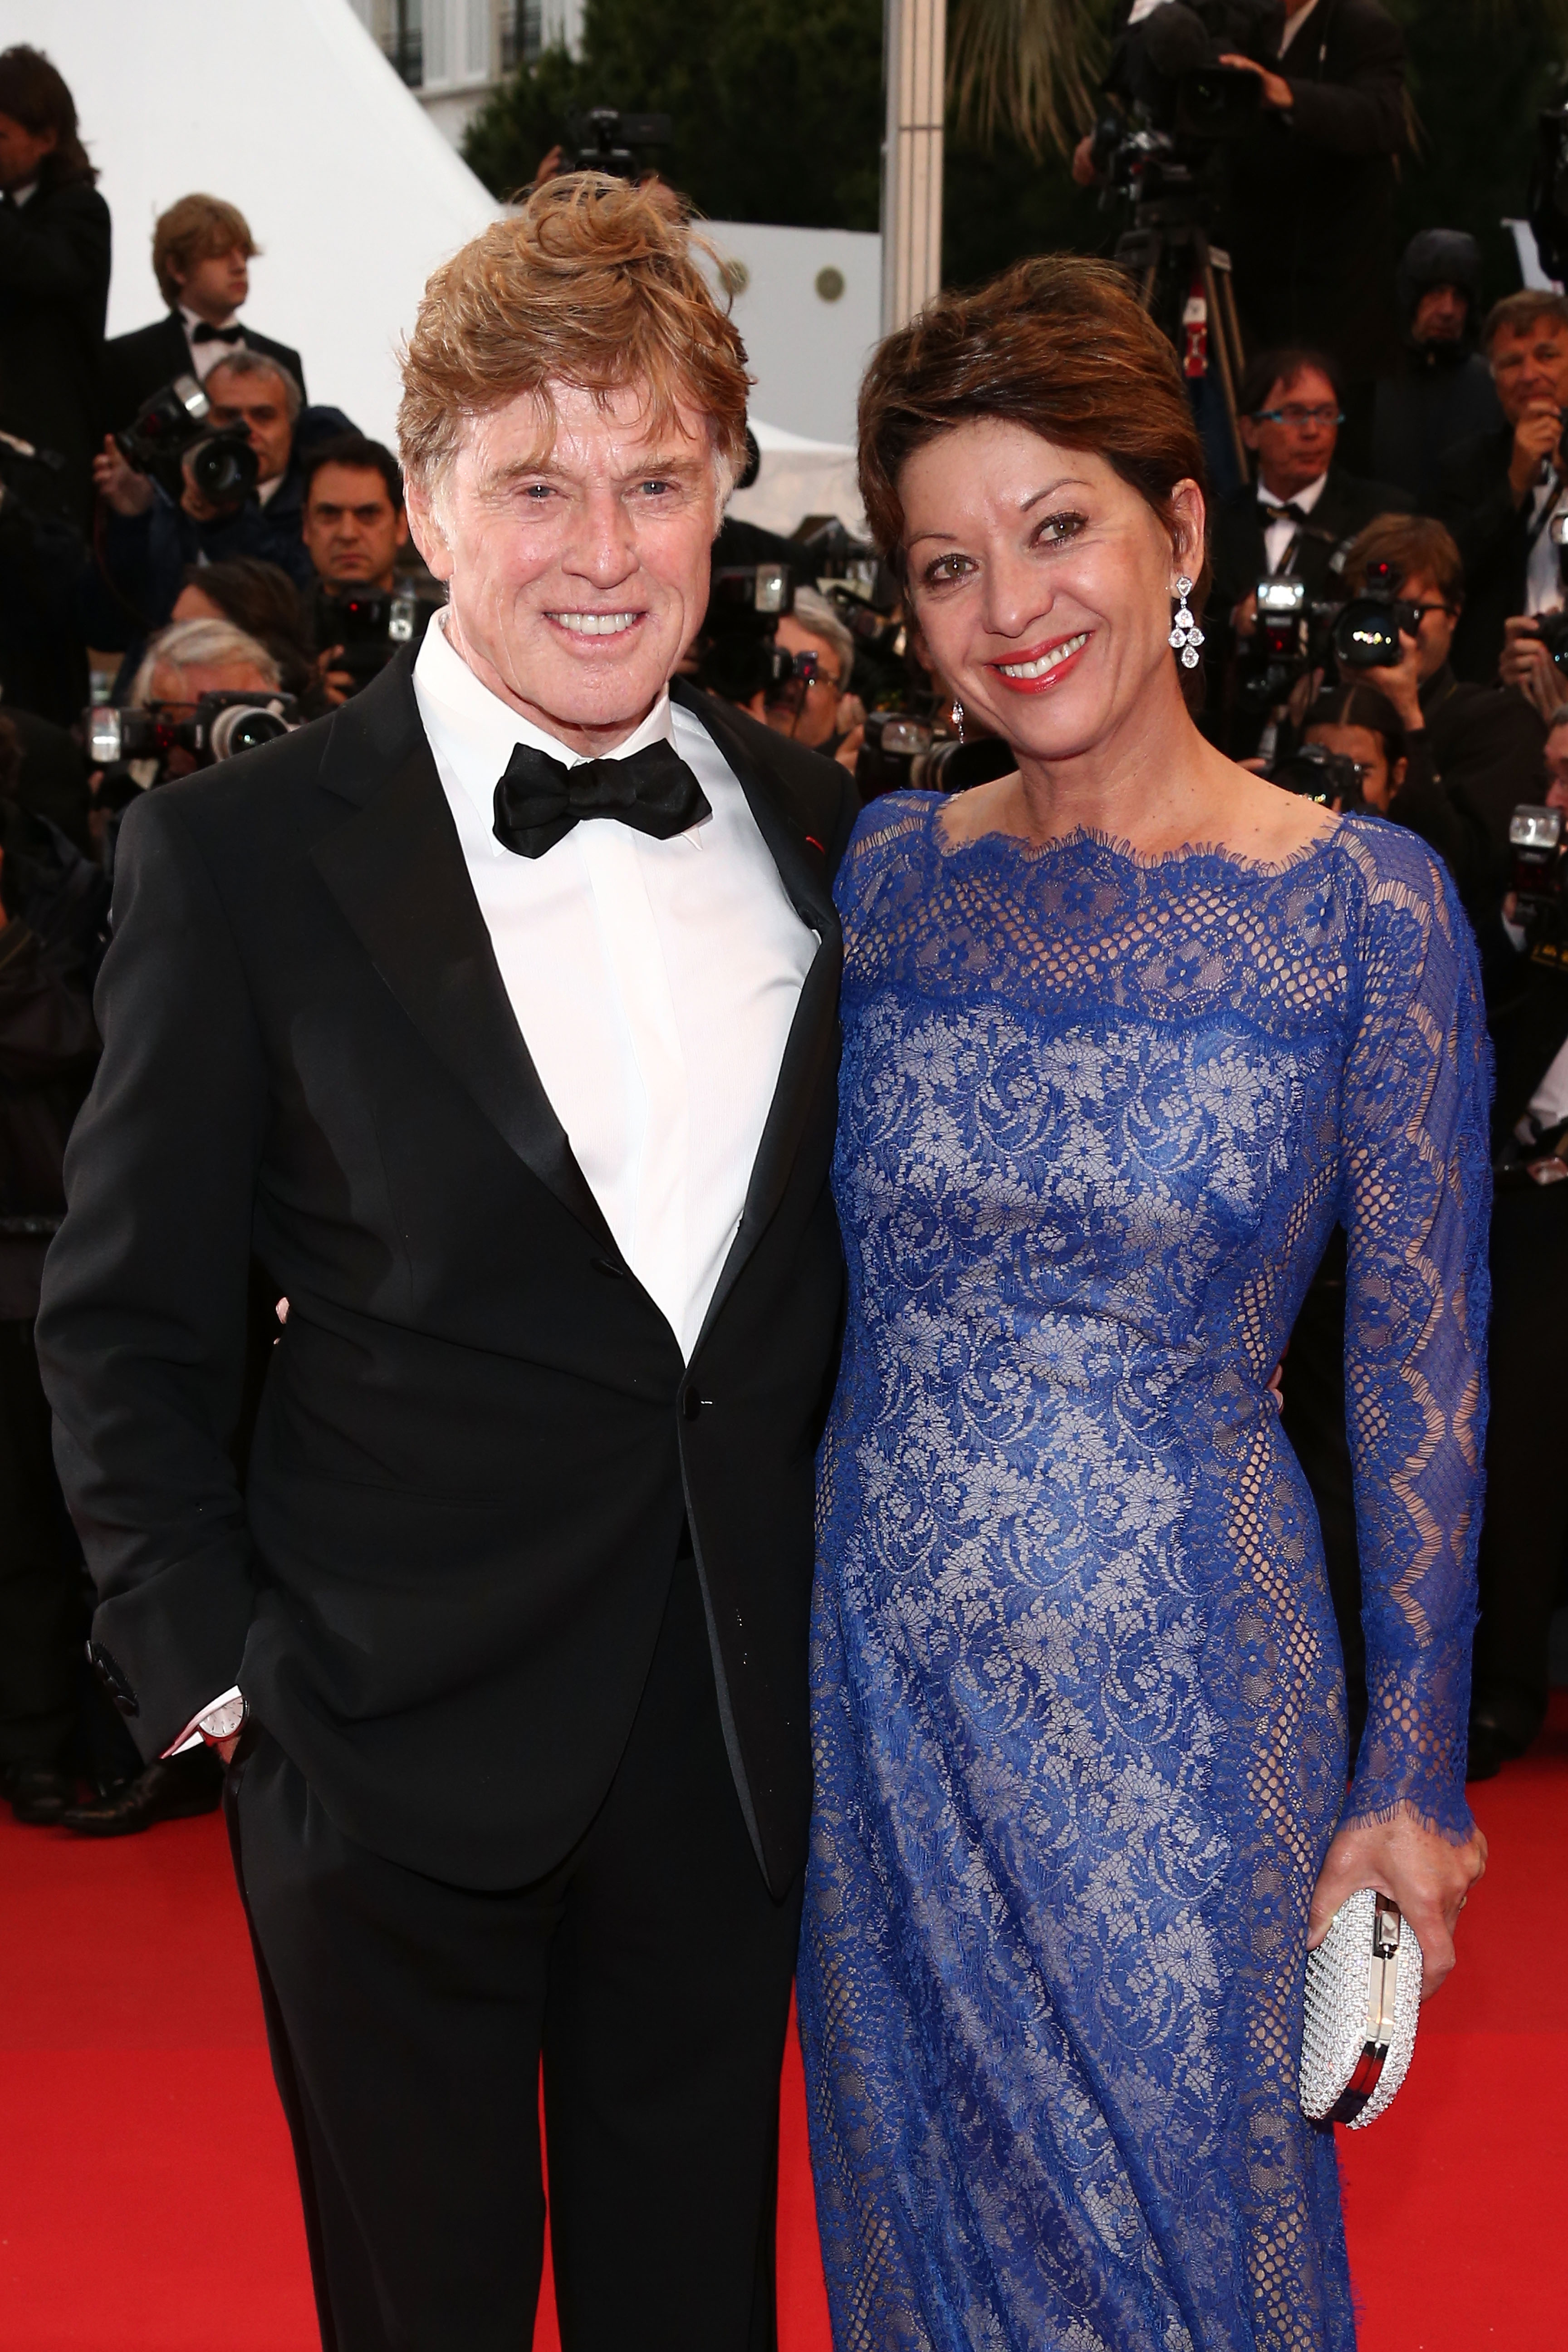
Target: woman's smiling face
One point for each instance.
(1041, 582)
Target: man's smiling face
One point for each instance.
(576, 549)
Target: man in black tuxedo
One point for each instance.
(1310, 216)
(1499, 490)
(1293, 520)
(202, 252)
(495, 1015)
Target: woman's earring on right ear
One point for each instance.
(1185, 634)
(958, 718)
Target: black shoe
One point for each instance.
(172, 1789)
(38, 1793)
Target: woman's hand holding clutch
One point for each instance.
(1428, 1875)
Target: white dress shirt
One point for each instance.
(205, 356)
(654, 983)
(1279, 537)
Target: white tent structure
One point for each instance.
(290, 110)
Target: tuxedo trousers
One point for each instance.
(650, 1972)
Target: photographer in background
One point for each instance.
(202, 252)
(1442, 393)
(1293, 519)
(54, 274)
(148, 540)
(184, 661)
(1310, 222)
(262, 602)
(1485, 743)
(371, 592)
(818, 709)
(53, 906)
(1499, 489)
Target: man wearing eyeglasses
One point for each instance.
(1301, 506)
(1504, 494)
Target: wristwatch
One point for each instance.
(222, 1721)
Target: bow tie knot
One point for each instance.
(203, 332)
(539, 800)
(1286, 513)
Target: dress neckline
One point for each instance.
(1088, 837)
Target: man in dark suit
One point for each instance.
(1310, 217)
(1499, 491)
(495, 1015)
(202, 252)
(54, 277)
(1293, 520)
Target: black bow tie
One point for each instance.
(1298, 515)
(539, 800)
(202, 333)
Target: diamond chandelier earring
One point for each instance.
(1185, 634)
(958, 718)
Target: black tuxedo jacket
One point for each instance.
(1310, 218)
(476, 1443)
(137, 365)
(53, 291)
(1236, 548)
(1475, 501)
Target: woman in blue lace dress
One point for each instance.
(1126, 1033)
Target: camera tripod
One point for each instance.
(1167, 248)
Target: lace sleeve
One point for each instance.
(1416, 1203)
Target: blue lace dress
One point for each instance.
(1079, 1707)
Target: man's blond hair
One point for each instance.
(195, 229)
(593, 283)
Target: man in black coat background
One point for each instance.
(1310, 219)
(496, 1017)
(54, 276)
(1499, 490)
(202, 252)
(1292, 520)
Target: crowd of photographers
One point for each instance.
(1386, 630)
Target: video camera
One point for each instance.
(603, 140)
(221, 726)
(1295, 633)
(1537, 839)
(169, 439)
(370, 625)
(1183, 107)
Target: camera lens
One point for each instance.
(1366, 635)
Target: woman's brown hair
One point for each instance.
(1059, 345)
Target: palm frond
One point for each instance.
(1026, 68)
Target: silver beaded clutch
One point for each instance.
(1364, 1999)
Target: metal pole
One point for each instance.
(915, 66)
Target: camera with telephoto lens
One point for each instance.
(219, 728)
(901, 753)
(1294, 633)
(369, 625)
(1184, 110)
(738, 657)
(1315, 773)
(602, 141)
(171, 440)
(1538, 844)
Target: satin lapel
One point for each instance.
(813, 1039)
(397, 870)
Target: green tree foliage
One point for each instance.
(775, 105)
(777, 114)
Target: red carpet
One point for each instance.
(148, 2198)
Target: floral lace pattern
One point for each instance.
(1079, 1707)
